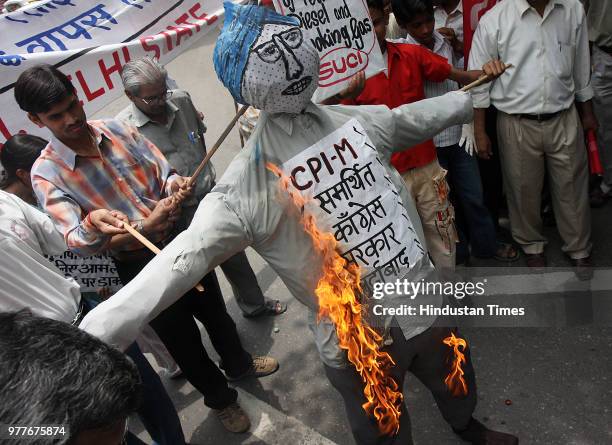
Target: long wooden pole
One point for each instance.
(216, 146)
(152, 247)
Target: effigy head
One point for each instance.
(264, 60)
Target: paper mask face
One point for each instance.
(281, 74)
(264, 60)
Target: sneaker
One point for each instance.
(233, 418)
(261, 367)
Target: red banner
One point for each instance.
(472, 12)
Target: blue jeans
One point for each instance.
(475, 227)
(156, 411)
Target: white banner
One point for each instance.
(90, 41)
(343, 34)
(92, 273)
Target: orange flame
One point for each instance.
(455, 381)
(337, 292)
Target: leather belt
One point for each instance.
(540, 117)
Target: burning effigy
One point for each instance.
(356, 224)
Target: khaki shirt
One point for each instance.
(246, 208)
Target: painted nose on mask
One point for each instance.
(293, 67)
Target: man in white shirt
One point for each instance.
(544, 104)
(28, 280)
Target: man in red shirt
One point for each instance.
(408, 67)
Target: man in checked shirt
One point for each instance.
(106, 164)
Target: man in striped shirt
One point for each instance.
(105, 164)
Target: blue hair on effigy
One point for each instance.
(242, 27)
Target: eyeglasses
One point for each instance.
(160, 98)
(270, 52)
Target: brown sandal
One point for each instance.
(507, 253)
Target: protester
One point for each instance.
(105, 164)
(409, 66)
(18, 155)
(448, 16)
(30, 281)
(255, 62)
(417, 17)
(54, 374)
(169, 120)
(544, 105)
(599, 20)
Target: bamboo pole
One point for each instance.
(152, 247)
(216, 146)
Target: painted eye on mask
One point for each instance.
(268, 52)
(292, 37)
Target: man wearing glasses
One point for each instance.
(169, 119)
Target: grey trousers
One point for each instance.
(428, 359)
(525, 147)
(602, 102)
(241, 277)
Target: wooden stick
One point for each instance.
(482, 79)
(239, 132)
(152, 247)
(216, 146)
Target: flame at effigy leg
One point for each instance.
(455, 381)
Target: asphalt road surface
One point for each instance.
(547, 385)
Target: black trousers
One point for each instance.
(177, 329)
(490, 171)
(429, 360)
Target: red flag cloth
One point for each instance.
(472, 11)
(593, 152)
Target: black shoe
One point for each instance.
(478, 434)
(583, 268)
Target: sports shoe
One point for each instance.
(233, 418)
(261, 367)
